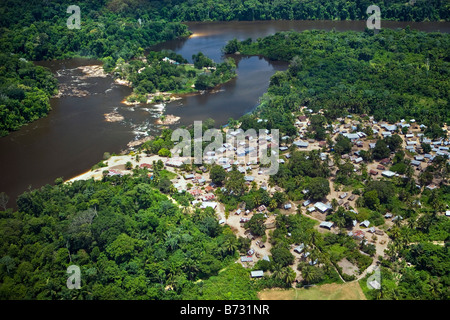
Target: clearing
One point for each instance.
(332, 291)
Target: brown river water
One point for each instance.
(75, 134)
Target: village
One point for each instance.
(197, 182)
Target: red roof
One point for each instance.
(146, 165)
(195, 192)
(358, 233)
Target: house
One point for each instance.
(388, 174)
(174, 163)
(112, 172)
(262, 208)
(270, 225)
(299, 249)
(352, 136)
(352, 197)
(257, 273)
(209, 204)
(208, 197)
(326, 224)
(365, 223)
(146, 165)
(287, 206)
(166, 59)
(301, 144)
(195, 192)
(306, 203)
(391, 128)
(388, 215)
(242, 221)
(246, 259)
(358, 234)
(344, 195)
(322, 207)
(415, 163)
(373, 172)
(313, 262)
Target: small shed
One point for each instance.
(257, 274)
(326, 224)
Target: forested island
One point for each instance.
(159, 73)
(362, 187)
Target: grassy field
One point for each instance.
(345, 291)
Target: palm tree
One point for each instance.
(230, 246)
(288, 275)
(309, 274)
(172, 189)
(277, 272)
(340, 223)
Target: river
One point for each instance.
(75, 134)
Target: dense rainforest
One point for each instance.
(227, 10)
(25, 90)
(130, 241)
(391, 75)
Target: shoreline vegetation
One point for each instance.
(165, 76)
